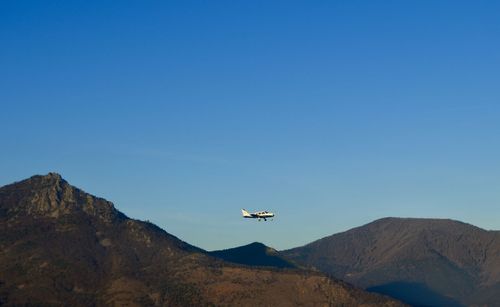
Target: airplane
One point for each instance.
(257, 215)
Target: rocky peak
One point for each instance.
(52, 178)
(52, 175)
(52, 196)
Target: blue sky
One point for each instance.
(329, 113)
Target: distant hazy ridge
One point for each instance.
(432, 262)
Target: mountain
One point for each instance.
(62, 246)
(431, 262)
(254, 254)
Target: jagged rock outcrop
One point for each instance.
(52, 196)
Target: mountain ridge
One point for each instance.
(456, 261)
(60, 245)
(254, 254)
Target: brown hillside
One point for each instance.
(62, 246)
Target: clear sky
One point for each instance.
(329, 113)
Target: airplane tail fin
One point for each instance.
(245, 213)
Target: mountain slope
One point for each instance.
(421, 261)
(254, 254)
(62, 246)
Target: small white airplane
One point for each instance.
(257, 215)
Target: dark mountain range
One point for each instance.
(254, 254)
(62, 246)
(430, 262)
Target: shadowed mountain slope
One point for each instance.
(420, 261)
(254, 254)
(62, 246)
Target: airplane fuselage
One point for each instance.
(257, 215)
